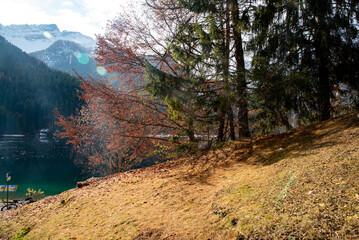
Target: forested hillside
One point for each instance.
(30, 91)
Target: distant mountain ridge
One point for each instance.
(33, 38)
(60, 50)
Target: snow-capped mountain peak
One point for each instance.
(32, 38)
(67, 55)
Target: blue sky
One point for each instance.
(86, 16)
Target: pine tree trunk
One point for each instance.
(224, 104)
(232, 133)
(322, 55)
(240, 69)
(324, 93)
(220, 135)
(190, 131)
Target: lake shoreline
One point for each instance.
(37, 162)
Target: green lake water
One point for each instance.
(37, 162)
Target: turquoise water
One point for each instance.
(37, 162)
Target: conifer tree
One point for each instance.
(216, 54)
(303, 43)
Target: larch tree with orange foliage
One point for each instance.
(170, 85)
(122, 122)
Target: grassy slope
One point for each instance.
(304, 183)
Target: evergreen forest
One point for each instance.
(30, 91)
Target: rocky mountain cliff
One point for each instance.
(67, 55)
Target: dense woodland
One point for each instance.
(197, 73)
(30, 91)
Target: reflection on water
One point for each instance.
(37, 162)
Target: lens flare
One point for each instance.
(47, 35)
(101, 70)
(82, 58)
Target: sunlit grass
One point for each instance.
(307, 189)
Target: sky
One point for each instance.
(86, 16)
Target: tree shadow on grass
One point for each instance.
(202, 166)
(197, 178)
(300, 142)
(270, 149)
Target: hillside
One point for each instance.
(30, 91)
(301, 184)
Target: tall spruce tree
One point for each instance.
(210, 47)
(211, 35)
(240, 19)
(307, 45)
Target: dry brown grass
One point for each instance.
(301, 184)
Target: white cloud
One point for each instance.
(100, 12)
(17, 12)
(67, 4)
